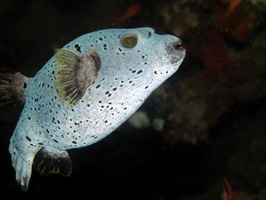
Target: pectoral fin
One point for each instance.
(52, 161)
(75, 74)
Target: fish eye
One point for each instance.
(129, 41)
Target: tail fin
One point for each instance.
(13, 88)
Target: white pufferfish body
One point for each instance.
(131, 64)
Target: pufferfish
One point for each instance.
(83, 93)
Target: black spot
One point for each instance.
(140, 71)
(24, 85)
(28, 138)
(40, 143)
(149, 35)
(47, 131)
(74, 142)
(55, 140)
(97, 86)
(114, 89)
(77, 47)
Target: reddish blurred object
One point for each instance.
(130, 12)
(231, 7)
(228, 193)
(216, 59)
(235, 21)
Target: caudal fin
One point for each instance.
(13, 88)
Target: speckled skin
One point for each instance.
(126, 78)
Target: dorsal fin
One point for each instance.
(74, 74)
(13, 88)
(52, 161)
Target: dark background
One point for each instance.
(213, 108)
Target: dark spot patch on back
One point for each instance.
(28, 138)
(140, 71)
(149, 35)
(77, 47)
(24, 85)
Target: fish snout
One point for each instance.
(175, 51)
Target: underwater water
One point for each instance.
(206, 122)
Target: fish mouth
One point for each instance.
(176, 51)
(177, 45)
